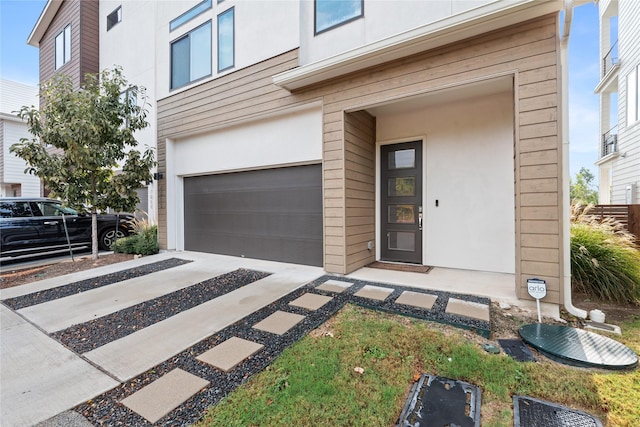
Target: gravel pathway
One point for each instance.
(106, 409)
(96, 333)
(96, 282)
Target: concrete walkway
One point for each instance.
(41, 378)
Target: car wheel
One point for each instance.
(108, 237)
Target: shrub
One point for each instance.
(605, 261)
(143, 242)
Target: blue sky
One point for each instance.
(19, 62)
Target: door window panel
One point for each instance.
(402, 214)
(402, 159)
(401, 241)
(402, 186)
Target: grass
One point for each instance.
(314, 381)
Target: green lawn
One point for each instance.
(314, 382)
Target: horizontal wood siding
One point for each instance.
(360, 187)
(69, 13)
(89, 38)
(528, 51)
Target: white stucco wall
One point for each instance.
(137, 61)
(379, 21)
(287, 139)
(469, 168)
(263, 29)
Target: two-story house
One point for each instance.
(619, 142)
(338, 133)
(13, 181)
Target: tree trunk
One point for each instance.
(94, 235)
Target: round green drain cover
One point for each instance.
(578, 346)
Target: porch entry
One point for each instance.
(401, 212)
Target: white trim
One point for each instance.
(607, 80)
(608, 158)
(46, 17)
(496, 14)
(378, 187)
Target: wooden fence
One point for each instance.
(628, 215)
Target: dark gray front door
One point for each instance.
(273, 214)
(401, 202)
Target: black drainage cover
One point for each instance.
(437, 401)
(517, 350)
(530, 412)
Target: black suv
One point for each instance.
(30, 226)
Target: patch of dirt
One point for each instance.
(15, 276)
(615, 313)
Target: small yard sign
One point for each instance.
(537, 288)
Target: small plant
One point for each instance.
(143, 242)
(605, 261)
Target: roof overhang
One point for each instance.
(47, 15)
(497, 14)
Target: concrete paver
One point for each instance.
(229, 354)
(377, 293)
(336, 286)
(310, 301)
(470, 309)
(164, 394)
(417, 299)
(40, 377)
(279, 322)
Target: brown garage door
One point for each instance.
(273, 214)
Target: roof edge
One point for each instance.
(47, 15)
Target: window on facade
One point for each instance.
(191, 56)
(331, 13)
(226, 40)
(190, 14)
(114, 17)
(632, 96)
(63, 47)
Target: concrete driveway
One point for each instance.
(42, 378)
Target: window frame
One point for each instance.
(190, 14)
(233, 39)
(633, 97)
(66, 47)
(171, 53)
(339, 24)
(118, 14)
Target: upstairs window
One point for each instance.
(332, 13)
(190, 14)
(191, 56)
(63, 47)
(632, 96)
(114, 17)
(226, 40)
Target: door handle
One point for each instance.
(50, 223)
(420, 221)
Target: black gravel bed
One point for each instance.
(106, 409)
(96, 282)
(90, 335)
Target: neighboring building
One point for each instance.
(68, 36)
(341, 133)
(619, 163)
(13, 181)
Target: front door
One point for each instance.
(401, 202)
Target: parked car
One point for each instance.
(30, 226)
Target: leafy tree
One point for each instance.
(582, 189)
(81, 136)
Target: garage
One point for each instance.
(271, 214)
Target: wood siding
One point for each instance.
(528, 51)
(83, 17)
